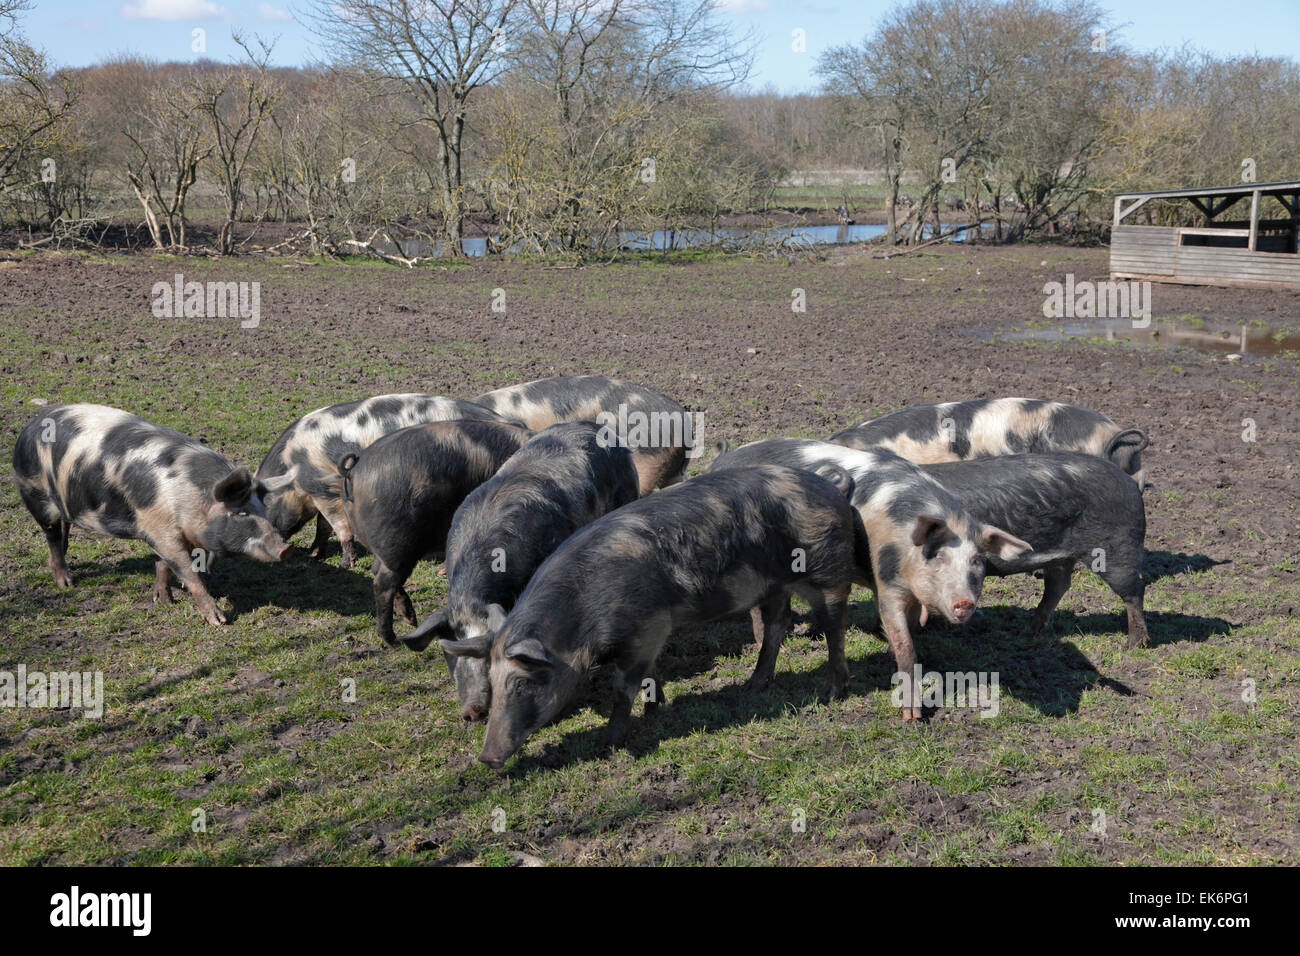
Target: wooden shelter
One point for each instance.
(1251, 251)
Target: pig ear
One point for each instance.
(529, 652)
(837, 476)
(925, 526)
(235, 488)
(1002, 544)
(496, 618)
(435, 625)
(280, 481)
(479, 646)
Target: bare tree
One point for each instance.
(598, 100)
(34, 106)
(170, 140)
(235, 102)
(442, 50)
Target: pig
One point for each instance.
(615, 591)
(109, 472)
(564, 478)
(957, 431)
(314, 445)
(924, 553)
(1070, 507)
(660, 433)
(398, 497)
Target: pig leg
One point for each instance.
(177, 558)
(774, 617)
(1056, 581)
(387, 585)
(332, 509)
(894, 609)
(831, 612)
(56, 536)
(657, 695)
(756, 623)
(162, 582)
(627, 684)
(629, 676)
(405, 608)
(322, 537)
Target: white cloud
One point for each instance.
(172, 10)
(268, 12)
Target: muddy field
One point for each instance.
(240, 744)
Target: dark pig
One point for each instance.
(985, 427)
(1071, 508)
(561, 480)
(314, 445)
(398, 497)
(660, 433)
(615, 591)
(107, 471)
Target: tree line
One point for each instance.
(554, 124)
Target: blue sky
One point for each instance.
(81, 32)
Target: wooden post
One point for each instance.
(1254, 221)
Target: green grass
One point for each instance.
(249, 723)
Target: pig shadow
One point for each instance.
(1166, 564)
(1049, 675)
(298, 583)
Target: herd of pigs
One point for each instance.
(571, 540)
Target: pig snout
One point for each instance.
(962, 610)
(492, 760)
(473, 714)
(269, 547)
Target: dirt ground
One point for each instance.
(1163, 737)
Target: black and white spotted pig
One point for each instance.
(564, 478)
(1071, 508)
(399, 495)
(314, 445)
(926, 552)
(985, 427)
(659, 432)
(107, 471)
(615, 591)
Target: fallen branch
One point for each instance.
(943, 237)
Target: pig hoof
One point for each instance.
(62, 581)
(911, 714)
(214, 617)
(162, 596)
